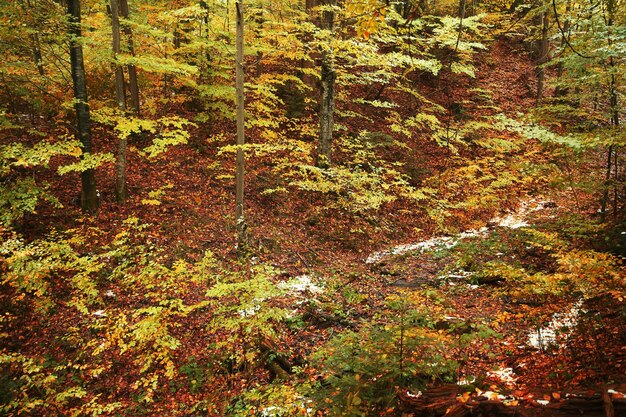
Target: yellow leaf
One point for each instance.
(151, 202)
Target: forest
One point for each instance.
(312, 208)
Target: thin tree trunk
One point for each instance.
(37, 54)
(133, 85)
(614, 100)
(89, 195)
(327, 109)
(121, 189)
(239, 194)
(205, 32)
(614, 103)
(615, 184)
(327, 86)
(560, 91)
(607, 183)
(543, 55)
(615, 122)
(615, 110)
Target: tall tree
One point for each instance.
(121, 189)
(327, 89)
(133, 85)
(591, 64)
(612, 151)
(119, 8)
(89, 195)
(239, 198)
(542, 51)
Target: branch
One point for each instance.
(565, 38)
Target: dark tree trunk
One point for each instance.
(327, 95)
(607, 183)
(89, 195)
(239, 194)
(121, 189)
(133, 85)
(561, 91)
(614, 115)
(327, 109)
(37, 53)
(542, 55)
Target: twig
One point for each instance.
(303, 260)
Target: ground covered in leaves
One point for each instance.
(148, 311)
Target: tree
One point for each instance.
(543, 48)
(89, 195)
(121, 190)
(239, 198)
(133, 85)
(590, 65)
(327, 88)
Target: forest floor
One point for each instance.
(344, 270)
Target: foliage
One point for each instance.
(243, 312)
(39, 271)
(20, 194)
(140, 310)
(400, 349)
(275, 400)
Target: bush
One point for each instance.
(362, 370)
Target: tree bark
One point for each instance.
(239, 194)
(133, 85)
(89, 195)
(614, 117)
(607, 184)
(543, 55)
(327, 94)
(37, 54)
(121, 189)
(561, 91)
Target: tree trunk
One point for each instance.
(89, 195)
(614, 115)
(615, 123)
(132, 70)
(121, 190)
(561, 91)
(543, 55)
(327, 109)
(327, 93)
(239, 212)
(607, 184)
(37, 54)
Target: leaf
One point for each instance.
(151, 202)
(88, 161)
